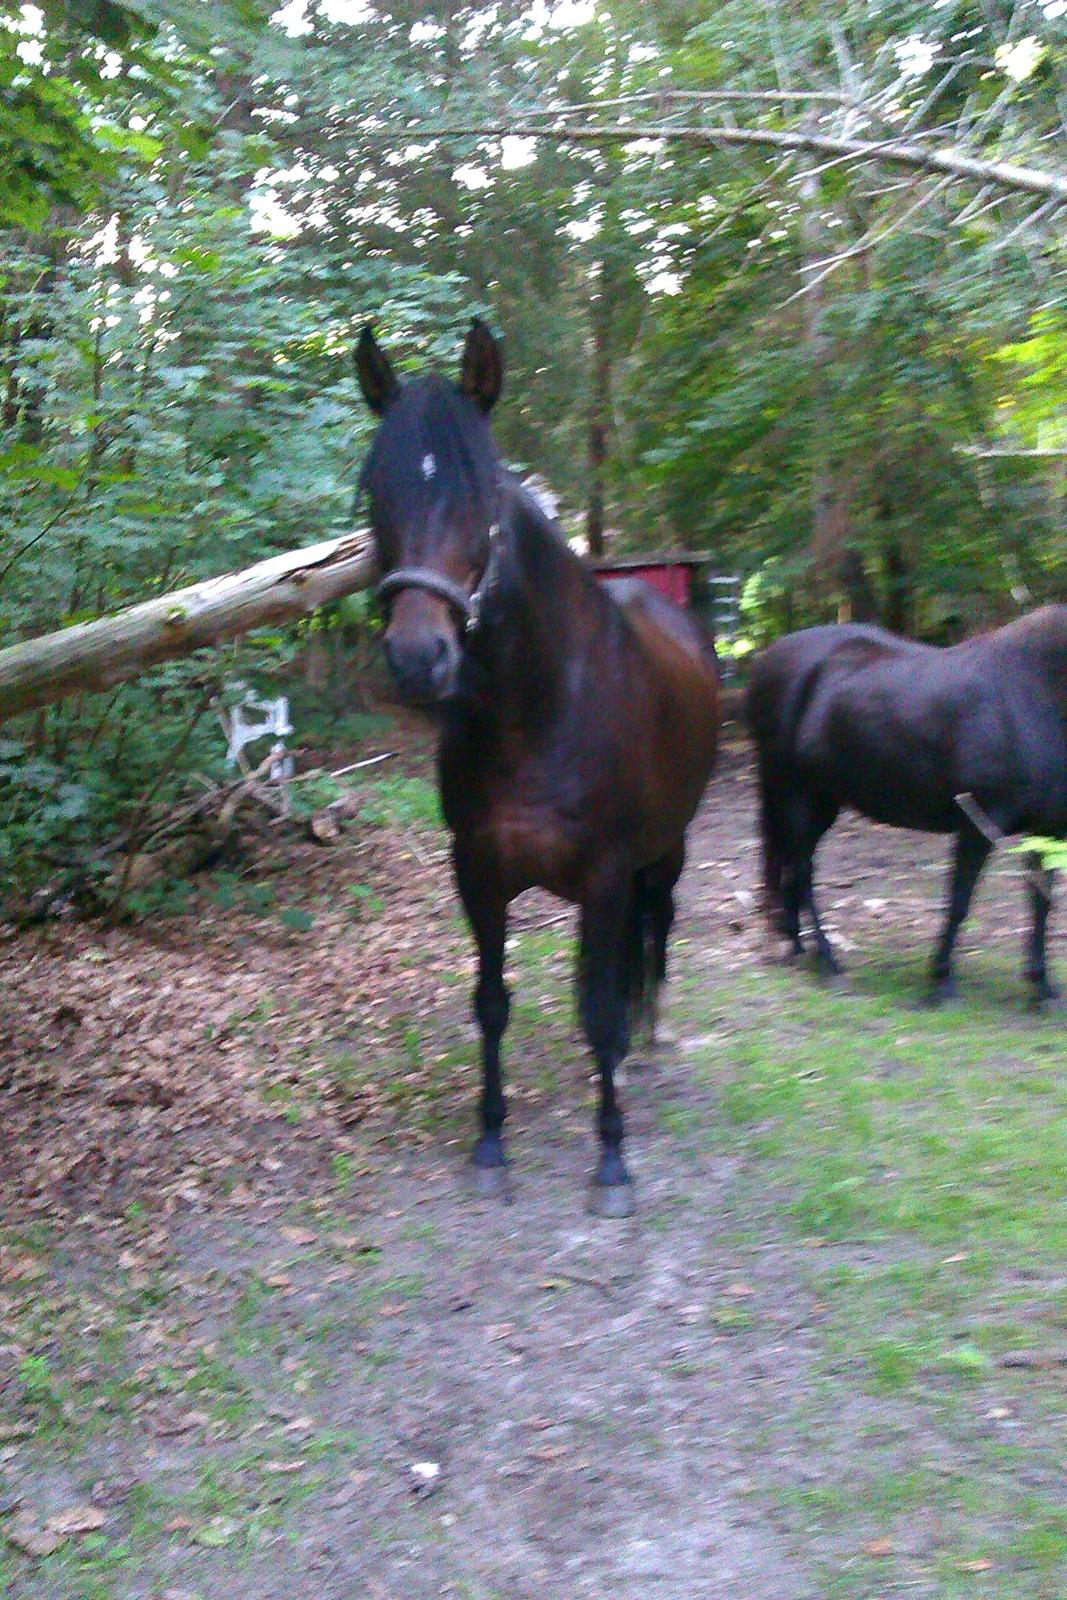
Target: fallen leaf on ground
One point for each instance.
(300, 1235)
(17, 1266)
(878, 1547)
(277, 1467)
(32, 1540)
(77, 1519)
(982, 1565)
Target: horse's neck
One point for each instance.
(539, 620)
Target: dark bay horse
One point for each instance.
(577, 729)
(969, 740)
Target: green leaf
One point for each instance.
(296, 919)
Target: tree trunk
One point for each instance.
(831, 495)
(599, 411)
(96, 655)
(898, 587)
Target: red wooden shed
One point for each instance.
(673, 574)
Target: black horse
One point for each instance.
(578, 730)
(970, 740)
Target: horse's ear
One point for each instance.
(482, 373)
(375, 373)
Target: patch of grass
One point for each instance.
(917, 1161)
(400, 802)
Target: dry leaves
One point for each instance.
(77, 1519)
(43, 1539)
(300, 1236)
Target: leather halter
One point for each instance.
(468, 605)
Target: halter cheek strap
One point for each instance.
(468, 605)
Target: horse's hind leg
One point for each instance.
(810, 820)
(1040, 885)
(825, 960)
(487, 914)
(602, 1001)
(661, 909)
(970, 856)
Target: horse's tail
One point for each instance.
(641, 975)
(773, 708)
(773, 853)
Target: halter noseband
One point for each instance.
(469, 606)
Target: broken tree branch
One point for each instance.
(97, 655)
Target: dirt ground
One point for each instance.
(244, 1291)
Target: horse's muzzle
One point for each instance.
(424, 669)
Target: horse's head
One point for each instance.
(433, 486)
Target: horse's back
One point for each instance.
(897, 729)
(649, 610)
(856, 716)
(786, 674)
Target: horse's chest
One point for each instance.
(520, 822)
(533, 842)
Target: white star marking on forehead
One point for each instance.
(429, 466)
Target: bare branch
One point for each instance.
(822, 269)
(895, 152)
(664, 96)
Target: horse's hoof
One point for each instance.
(611, 1200)
(490, 1177)
(490, 1183)
(1050, 1005)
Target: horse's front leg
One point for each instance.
(971, 855)
(603, 1004)
(1040, 885)
(487, 913)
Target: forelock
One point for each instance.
(431, 444)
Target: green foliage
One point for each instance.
(402, 803)
(1053, 852)
(803, 372)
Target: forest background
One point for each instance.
(842, 379)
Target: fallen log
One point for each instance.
(96, 655)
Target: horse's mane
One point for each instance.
(547, 558)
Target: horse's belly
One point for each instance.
(878, 767)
